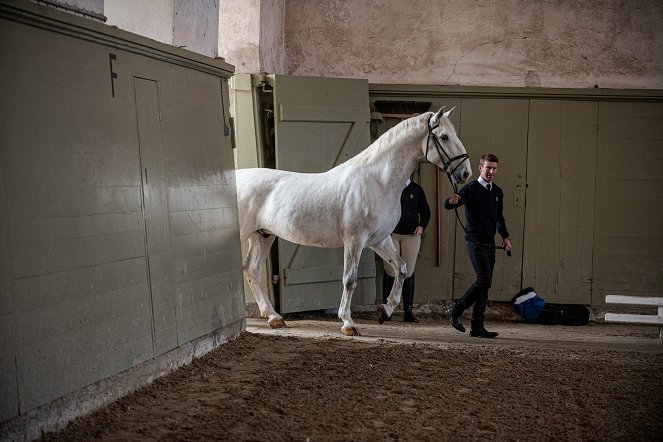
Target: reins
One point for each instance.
(447, 164)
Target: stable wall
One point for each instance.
(584, 220)
(508, 43)
(119, 240)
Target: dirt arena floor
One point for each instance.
(401, 382)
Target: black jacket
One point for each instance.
(414, 210)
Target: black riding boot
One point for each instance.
(455, 316)
(408, 300)
(479, 331)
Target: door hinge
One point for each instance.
(113, 74)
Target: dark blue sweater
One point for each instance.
(483, 212)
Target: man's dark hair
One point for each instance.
(488, 157)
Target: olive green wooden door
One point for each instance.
(561, 169)
(320, 123)
(498, 127)
(628, 237)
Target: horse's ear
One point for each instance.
(438, 115)
(448, 114)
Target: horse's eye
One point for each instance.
(444, 137)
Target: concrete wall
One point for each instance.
(272, 49)
(93, 6)
(514, 43)
(251, 35)
(182, 23)
(509, 43)
(150, 18)
(239, 34)
(196, 26)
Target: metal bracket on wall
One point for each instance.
(519, 198)
(112, 57)
(458, 278)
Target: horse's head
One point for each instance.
(443, 147)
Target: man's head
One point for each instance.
(488, 166)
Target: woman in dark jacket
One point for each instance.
(415, 215)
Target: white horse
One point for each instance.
(354, 205)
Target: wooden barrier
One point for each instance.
(654, 301)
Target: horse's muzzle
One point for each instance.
(461, 176)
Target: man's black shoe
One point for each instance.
(482, 333)
(409, 318)
(455, 320)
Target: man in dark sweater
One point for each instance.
(483, 201)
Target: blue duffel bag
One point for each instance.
(528, 304)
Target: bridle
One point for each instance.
(447, 162)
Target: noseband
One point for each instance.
(447, 161)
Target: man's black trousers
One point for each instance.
(483, 261)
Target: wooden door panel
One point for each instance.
(320, 123)
(559, 229)
(628, 257)
(498, 127)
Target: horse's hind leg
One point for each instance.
(253, 263)
(351, 256)
(390, 256)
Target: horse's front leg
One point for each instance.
(387, 251)
(253, 263)
(351, 255)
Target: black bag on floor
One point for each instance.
(564, 314)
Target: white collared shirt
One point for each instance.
(483, 182)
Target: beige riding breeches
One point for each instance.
(408, 247)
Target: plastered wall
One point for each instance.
(272, 50)
(513, 43)
(616, 44)
(239, 34)
(149, 18)
(186, 24)
(251, 34)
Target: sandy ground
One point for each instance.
(401, 382)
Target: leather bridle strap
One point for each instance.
(447, 161)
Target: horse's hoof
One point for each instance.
(277, 323)
(350, 331)
(382, 314)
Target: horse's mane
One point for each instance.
(390, 139)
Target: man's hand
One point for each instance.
(506, 243)
(454, 198)
(418, 231)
